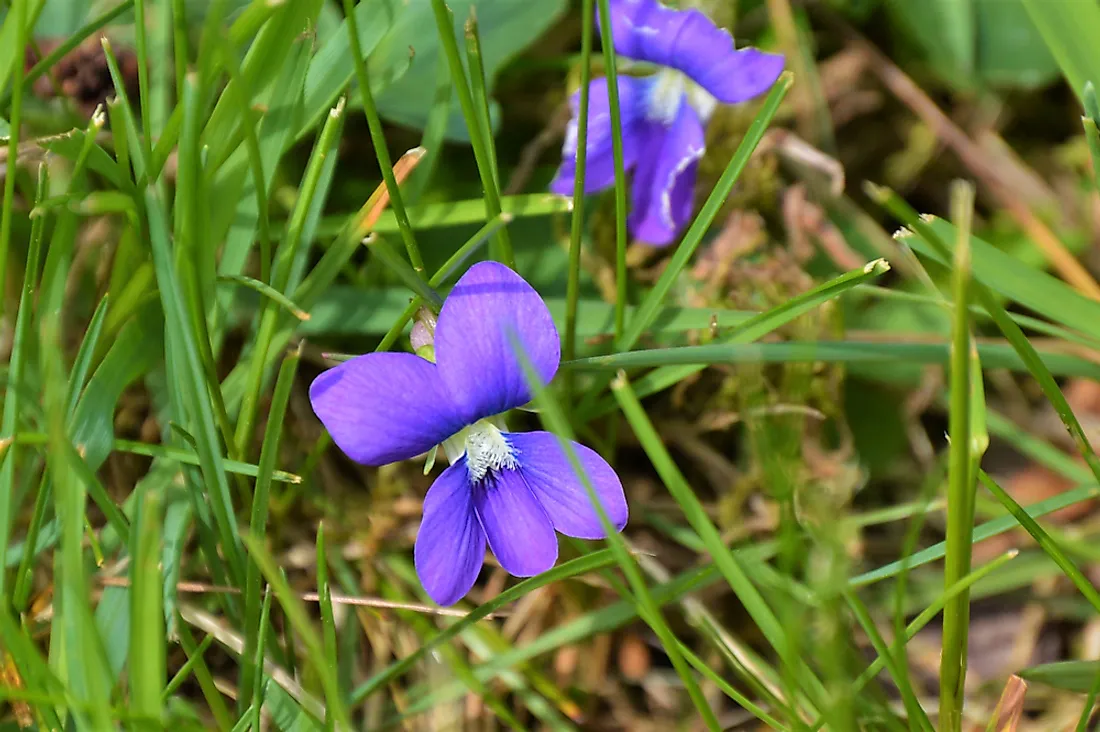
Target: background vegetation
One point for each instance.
(859, 464)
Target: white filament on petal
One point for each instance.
(485, 447)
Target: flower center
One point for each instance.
(669, 88)
(485, 447)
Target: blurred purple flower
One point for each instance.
(663, 115)
(509, 489)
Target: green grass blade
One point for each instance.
(576, 231)
(554, 420)
(696, 515)
(300, 622)
(1070, 31)
(378, 139)
(1044, 540)
(269, 454)
(445, 26)
(620, 169)
(573, 568)
(17, 364)
(147, 659)
(643, 318)
(962, 478)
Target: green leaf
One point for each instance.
(506, 27)
(60, 18)
(1078, 676)
(971, 42)
(1070, 30)
(1007, 276)
(1010, 51)
(943, 28)
(332, 67)
(147, 657)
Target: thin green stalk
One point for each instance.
(450, 267)
(147, 664)
(288, 249)
(1090, 120)
(696, 515)
(185, 670)
(269, 455)
(378, 139)
(179, 44)
(324, 599)
(925, 617)
(961, 477)
(141, 51)
(1046, 542)
(412, 279)
(620, 169)
(258, 662)
(445, 25)
(898, 672)
(18, 16)
(648, 609)
(17, 363)
(479, 86)
(576, 233)
(300, 624)
(205, 679)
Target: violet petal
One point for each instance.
(384, 407)
(689, 41)
(599, 170)
(663, 191)
(520, 533)
(450, 545)
(487, 311)
(552, 480)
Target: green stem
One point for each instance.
(961, 481)
(445, 24)
(572, 287)
(620, 170)
(378, 139)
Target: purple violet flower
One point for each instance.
(509, 489)
(663, 115)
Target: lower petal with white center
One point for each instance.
(450, 545)
(520, 533)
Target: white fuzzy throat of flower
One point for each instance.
(671, 88)
(486, 449)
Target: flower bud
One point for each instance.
(423, 334)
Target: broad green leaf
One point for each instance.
(971, 42)
(506, 27)
(60, 18)
(1036, 290)
(1078, 676)
(943, 28)
(331, 69)
(1070, 30)
(1010, 52)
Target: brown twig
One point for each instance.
(200, 588)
